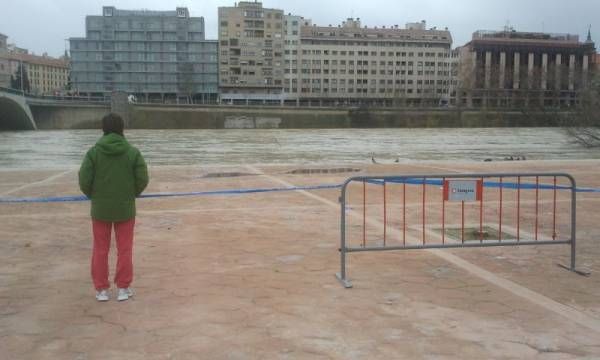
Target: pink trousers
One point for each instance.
(102, 234)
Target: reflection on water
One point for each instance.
(53, 149)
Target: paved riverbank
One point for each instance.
(252, 276)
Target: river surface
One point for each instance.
(60, 149)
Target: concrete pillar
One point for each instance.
(572, 72)
(558, 74)
(585, 68)
(530, 67)
(502, 70)
(488, 68)
(517, 71)
(559, 66)
(544, 71)
(557, 99)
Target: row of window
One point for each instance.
(318, 63)
(388, 82)
(141, 67)
(145, 87)
(373, 53)
(367, 72)
(143, 56)
(319, 90)
(143, 46)
(126, 36)
(346, 43)
(167, 24)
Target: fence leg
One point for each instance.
(341, 276)
(573, 265)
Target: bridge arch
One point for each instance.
(15, 113)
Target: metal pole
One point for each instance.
(554, 213)
(519, 209)
(404, 214)
(481, 212)
(500, 212)
(343, 239)
(573, 222)
(537, 206)
(443, 213)
(424, 179)
(364, 213)
(384, 215)
(342, 275)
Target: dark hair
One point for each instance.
(112, 124)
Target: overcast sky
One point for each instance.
(43, 25)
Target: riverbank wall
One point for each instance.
(234, 117)
(151, 117)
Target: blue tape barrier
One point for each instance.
(168, 195)
(410, 181)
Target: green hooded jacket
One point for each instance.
(112, 175)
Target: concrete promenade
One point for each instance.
(252, 276)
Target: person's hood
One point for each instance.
(112, 145)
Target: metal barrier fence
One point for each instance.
(481, 193)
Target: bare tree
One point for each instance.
(584, 124)
(186, 81)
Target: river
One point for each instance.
(65, 148)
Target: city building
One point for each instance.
(387, 66)
(515, 69)
(4, 64)
(291, 35)
(251, 54)
(156, 55)
(47, 75)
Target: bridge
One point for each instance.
(22, 111)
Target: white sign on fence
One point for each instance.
(462, 190)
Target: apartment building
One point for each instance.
(157, 55)
(251, 42)
(47, 75)
(4, 64)
(292, 25)
(388, 66)
(524, 69)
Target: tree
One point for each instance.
(22, 83)
(584, 123)
(185, 80)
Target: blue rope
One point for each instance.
(411, 181)
(168, 195)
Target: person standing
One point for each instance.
(112, 175)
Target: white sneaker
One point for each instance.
(102, 295)
(124, 294)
